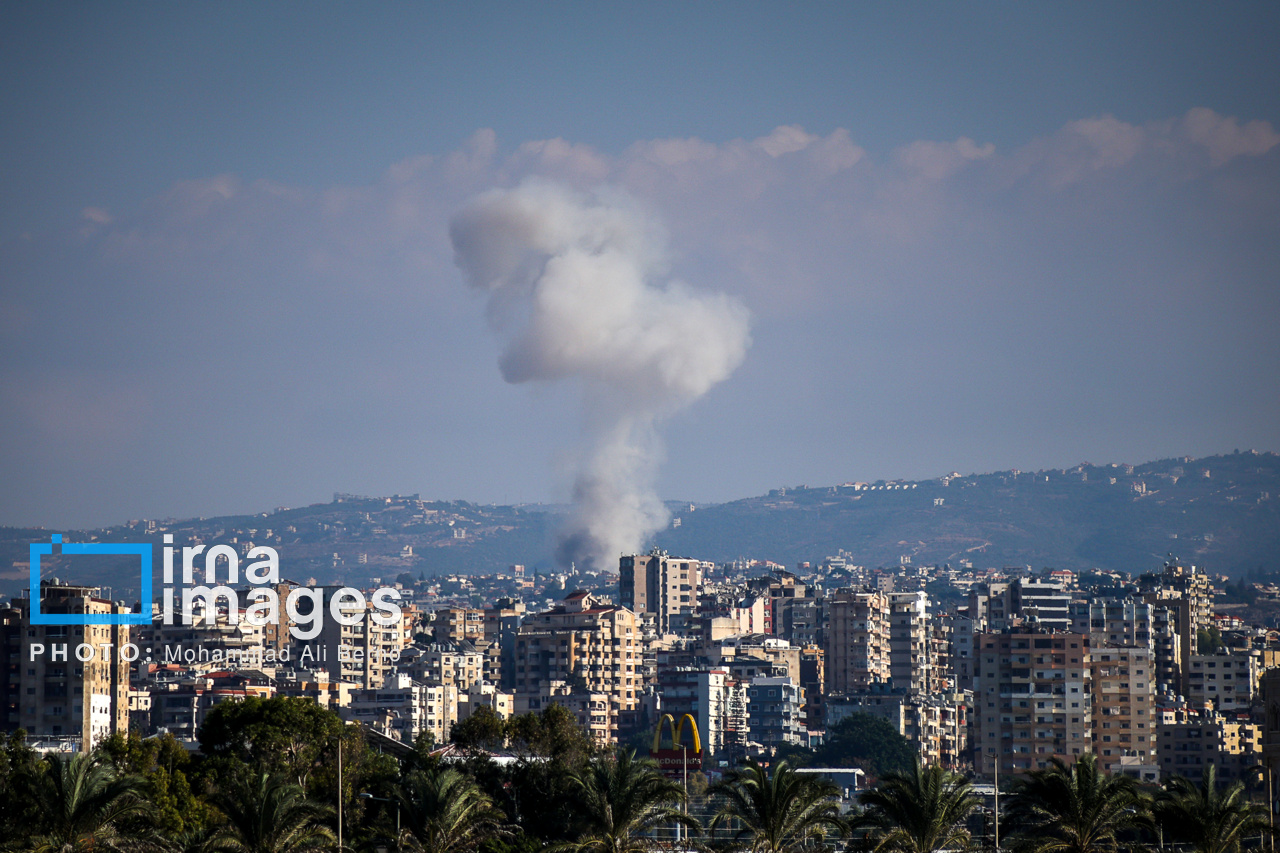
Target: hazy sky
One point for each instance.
(969, 237)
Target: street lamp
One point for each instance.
(368, 796)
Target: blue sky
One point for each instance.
(969, 237)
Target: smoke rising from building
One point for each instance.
(578, 287)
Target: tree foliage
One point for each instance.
(919, 812)
(1073, 808)
(860, 740)
(269, 813)
(82, 803)
(1209, 819)
(485, 729)
(778, 811)
(163, 764)
(622, 800)
(294, 737)
(445, 811)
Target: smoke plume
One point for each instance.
(578, 287)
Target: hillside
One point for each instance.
(1221, 512)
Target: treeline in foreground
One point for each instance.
(267, 781)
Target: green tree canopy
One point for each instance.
(1209, 819)
(860, 740)
(269, 813)
(165, 766)
(483, 730)
(294, 737)
(778, 810)
(1073, 808)
(551, 733)
(444, 811)
(622, 800)
(18, 772)
(84, 804)
(919, 812)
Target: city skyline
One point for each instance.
(967, 240)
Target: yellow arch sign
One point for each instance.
(677, 732)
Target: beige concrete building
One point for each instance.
(1228, 680)
(487, 695)
(1187, 594)
(363, 654)
(1113, 623)
(592, 650)
(1189, 740)
(1123, 696)
(456, 624)
(453, 662)
(662, 585)
(52, 691)
(1032, 699)
(858, 642)
(910, 649)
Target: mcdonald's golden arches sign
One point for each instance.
(680, 757)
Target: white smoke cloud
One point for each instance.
(577, 284)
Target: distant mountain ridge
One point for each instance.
(1220, 512)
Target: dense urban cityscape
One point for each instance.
(984, 672)
(1017, 666)
(706, 393)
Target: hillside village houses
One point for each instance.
(979, 669)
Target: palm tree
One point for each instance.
(268, 814)
(445, 811)
(1073, 808)
(622, 801)
(921, 811)
(1211, 821)
(85, 804)
(779, 812)
(202, 839)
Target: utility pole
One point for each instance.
(1271, 809)
(367, 796)
(684, 768)
(339, 793)
(997, 774)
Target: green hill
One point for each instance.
(1220, 512)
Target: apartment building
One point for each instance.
(1226, 681)
(53, 693)
(937, 725)
(592, 648)
(1044, 602)
(910, 646)
(402, 708)
(1187, 595)
(775, 708)
(453, 662)
(1269, 687)
(1032, 699)
(716, 700)
(1188, 740)
(1124, 725)
(662, 585)
(501, 623)
(363, 653)
(1115, 622)
(459, 624)
(858, 641)
(1004, 605)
